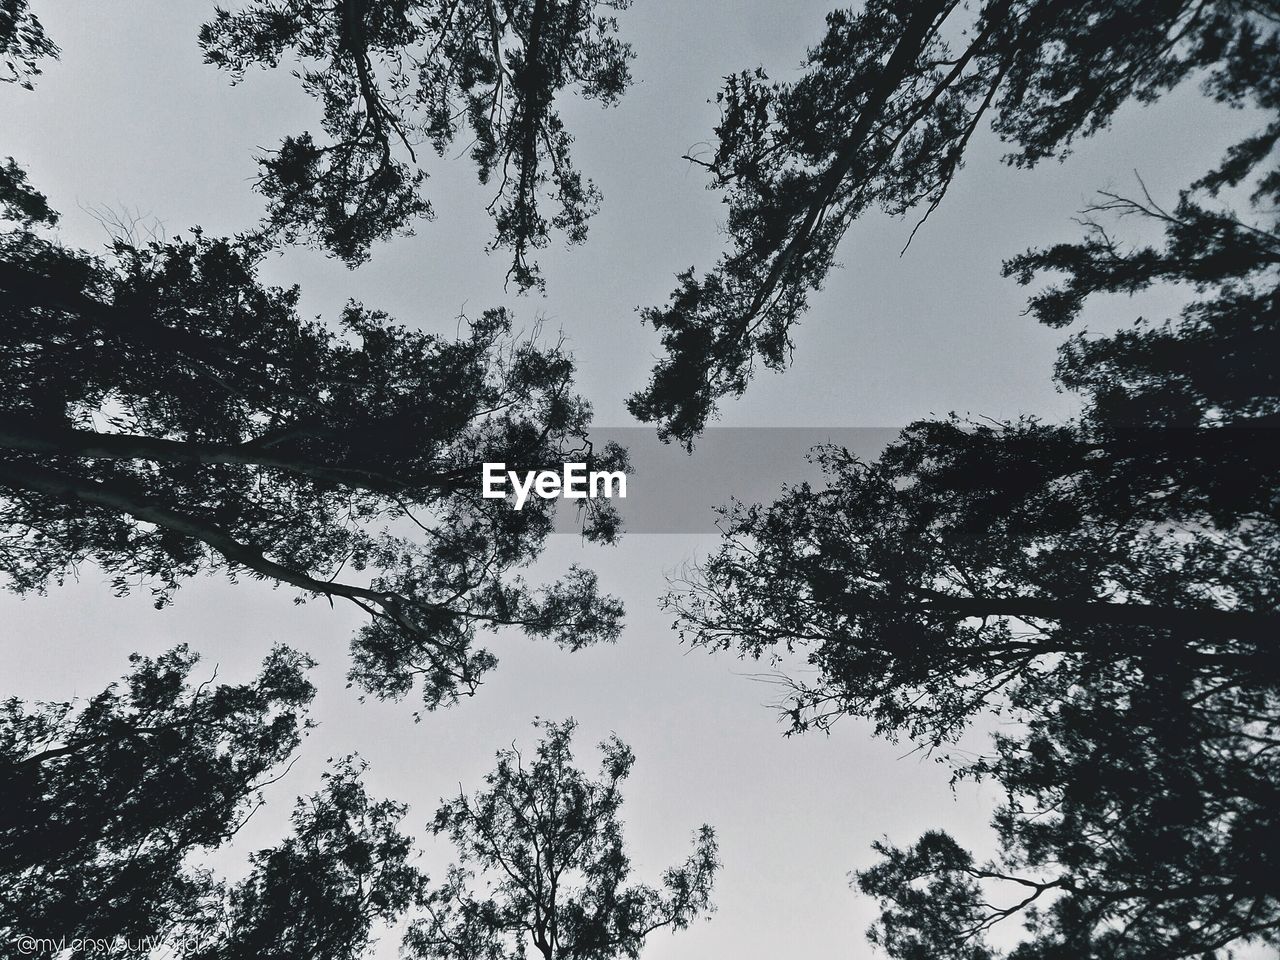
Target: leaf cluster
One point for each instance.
(1105, 586)
(882, 117)
(105, 801)
(542, 861)
(392, 76)
(167, 414)
(23, 43)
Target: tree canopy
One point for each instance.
(166, 413)
(542, 861)
(23, 43)
(395, 77)
(882, 117)
(321, 891)
(1106, 585)
(1140, 822)
(20, 202)
(104, 801)
(1152, 516)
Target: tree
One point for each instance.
(883, 116)
(970, 558)
(1141, 822)
(166, 414)
(20, 202)
(23, 43)
(1107, 586)
(967, 562)
(542, 861)
(104, 801)
(319, 893)
(392, 77)
(1124, 632)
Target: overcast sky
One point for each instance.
(132, 119)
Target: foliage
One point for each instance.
(21, 203)
(934, 891)
(973, 557)
(966, 562)
(104, 801)
(1107, 586)
(1141, 822)
(882, 117)
(318, 894)
(542, 861)
(393, 75)
(23, 43)
(165, 413)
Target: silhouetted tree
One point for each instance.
(1140, 822)
(1108, 585)
(542, 861)
(319, 893)
(164, 413)
(102, 802)
(20, 202)
(23, 43)
(882, 117)
(392, 77)
(968, 561)
(1145, 528)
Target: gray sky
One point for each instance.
(131, 118)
